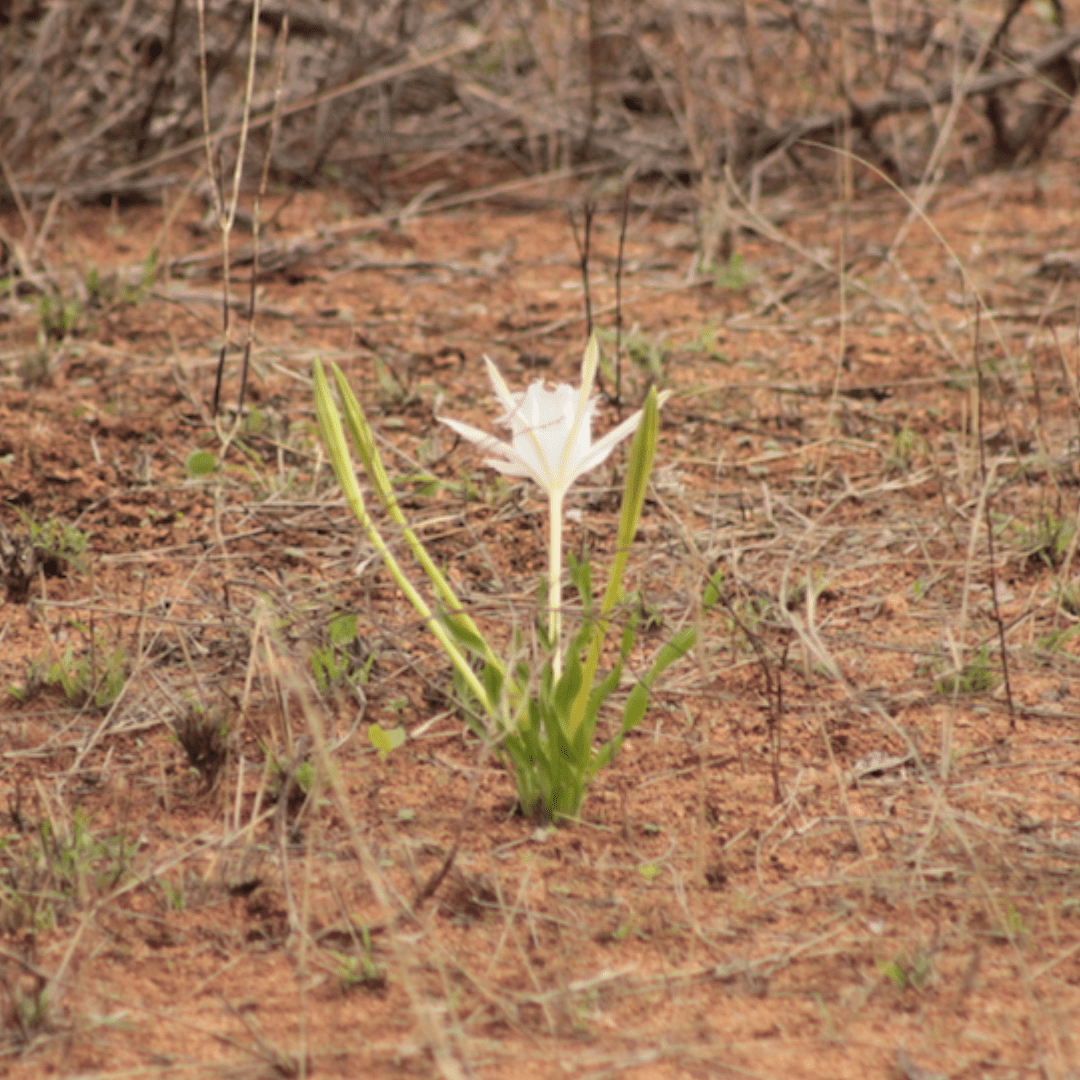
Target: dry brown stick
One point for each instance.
(583, 244)
(20, 204)
(427, 890)
(46, 223)
(994, 600)
(318, 241)
(226, 214)
(256, 214)
(144, 188)
(1038, 120)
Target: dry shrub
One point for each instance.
(103, 99)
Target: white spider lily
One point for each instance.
(552, 444)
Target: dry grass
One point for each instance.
(844, 841)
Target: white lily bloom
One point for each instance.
(551, 442)
(551, 430)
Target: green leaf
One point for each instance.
(493, 680)
(386, 741)
(567, 689)
(343, 629)
(581, 576)
(636, 704)
(893, 972)
(642, 452)
(255, 422)
(674, 650)
(638, 699)
(639, 466)
(200, 463)
(334, 436)
(712, 589)
(364, 438)
(602, 691)
(464, 631)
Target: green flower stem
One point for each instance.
(555, 513)
(556, 493)
(372, 462)
(334, 436)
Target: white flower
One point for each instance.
(551, 441)
(551, 430)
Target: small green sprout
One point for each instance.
(386, 741)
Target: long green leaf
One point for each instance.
(364, 438)
(334, 437)
(642, 452)
(636, 704)
(712, 589)
(673, 650)
(581, 576)
(638, 699)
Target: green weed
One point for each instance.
(1047, 539)
(1056, 639)
(200, 463)
(977, 676)
(31, 1011)
(906, 446)
(340, 660)
(103, 291)
(647, 352)
(56, 544)
(386, 741)
(58, 872)
(58, 317)
(359, 969)
(1069, 598)
(392, 391)
(1013, 923)
(95, 678)
(174, 895)
(906, 973)
(732, 275)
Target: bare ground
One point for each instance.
(750, 892)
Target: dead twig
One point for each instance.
(995, 600)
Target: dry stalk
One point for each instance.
(619, 261)
(995, 600)
(256, 215)
(225, 212)
(582, 243)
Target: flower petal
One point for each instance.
(604, 445)
(577, 437)
(550, 430)
(600, 449)
(509, 401)
(484, 439)
(589, 364)
(538, 429)
(512, 468)
(512, 464)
